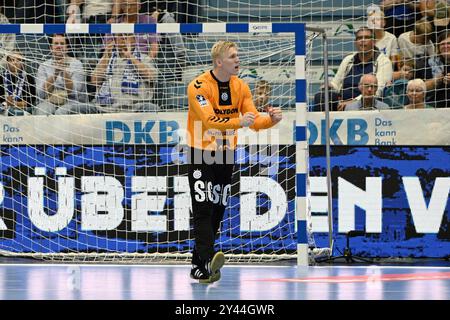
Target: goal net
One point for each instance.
(94, 164)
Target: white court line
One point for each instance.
(380, 267)
(126, 265)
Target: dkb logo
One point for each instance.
(142, 132)
(356, 132)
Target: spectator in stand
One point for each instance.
(368, 86)
(394, 94)
(400, 15)
(417, 43)
(262, 96)
(60, 82)
(416, 92)
(367, 59)
(437, 73)
(147, 43)
(384, 41)
(17, 89)
(407, 67)
(437, 12)
(124, 77)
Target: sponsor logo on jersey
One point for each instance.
(225, 95)
(205, 191)
(197, 174)
(198, 84)
(226, 111)
(218, 133)
(202, 100)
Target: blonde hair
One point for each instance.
(220, 48)
(417, 82)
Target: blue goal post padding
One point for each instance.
(82, 28)
(154, 28)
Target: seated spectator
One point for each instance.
(400, 15)
(262, 96)
(124, 78)
(368, 86)
(60, 82)
(147, 43)
(17, 89)
(366, 60)
(436, 71)
(417, 43)
(416, 90)
(395, 93)
(7, 41)
(407, 69)
(384, 41)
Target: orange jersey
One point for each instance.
(214, 112)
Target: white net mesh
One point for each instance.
(110, 184)
(412, 27)
(411, 52)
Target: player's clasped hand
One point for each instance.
(275, 114)
(247, 119)
(446, 79)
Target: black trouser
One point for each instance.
(210, 186)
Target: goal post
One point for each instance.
(108, 187)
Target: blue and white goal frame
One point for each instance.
(299, 31)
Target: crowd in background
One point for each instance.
(96, 73)
(401, 60)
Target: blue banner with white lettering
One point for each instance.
(398, 196)
(135, 198)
